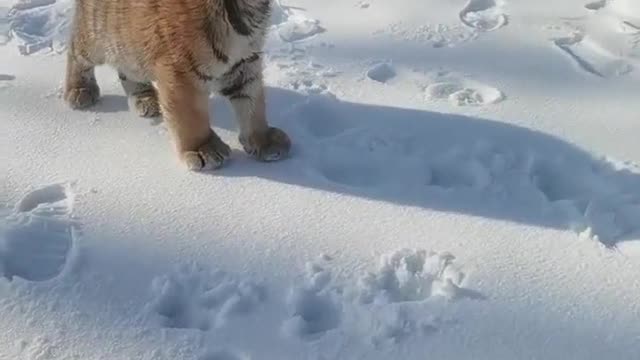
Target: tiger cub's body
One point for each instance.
(169, 55)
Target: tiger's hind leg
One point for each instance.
(142, 96)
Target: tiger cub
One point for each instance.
(169, 55)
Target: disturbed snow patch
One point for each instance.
(411, 275)
(314, 307)
(403, 298)
(194, 297)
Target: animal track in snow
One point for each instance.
(381, 72)
(194, 298)
(314, 308)
(359, 158)
(352, 173)
(412, 275)
(39, 235)
(484, 15)
(591, 57)
(598, 200)
(596, 5)
(462, 92)
(320, 119)
(308, 87)
(5, 80)
(455, 169)
(363, 4)
(403, 296)
(401, 299)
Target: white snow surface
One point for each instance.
(462, 186)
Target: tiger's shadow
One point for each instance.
(445, 162)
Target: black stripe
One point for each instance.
(240, 96)
(234, 15)
(265, 8)
(253, 58)
(238, 86)
(256, 14)
(194, 68)
(144, 89)
(220, 55)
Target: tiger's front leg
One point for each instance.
(244, 87)
(184, 103)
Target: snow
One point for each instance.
(464, 184)
(382, 72)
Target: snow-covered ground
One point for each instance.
(462, 186)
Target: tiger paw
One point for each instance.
(271, 145)
(210, 156)
(82, 97)
(147, 105)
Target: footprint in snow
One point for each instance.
(462, 92)
(595, 5)
(398, 294)
(591, 57)
(319, 119)
(5, 80)
(382, 72)
(385, 306)
(410, 275)
(39, 235)
(484, 15)
(194, 298)
(314, 307)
